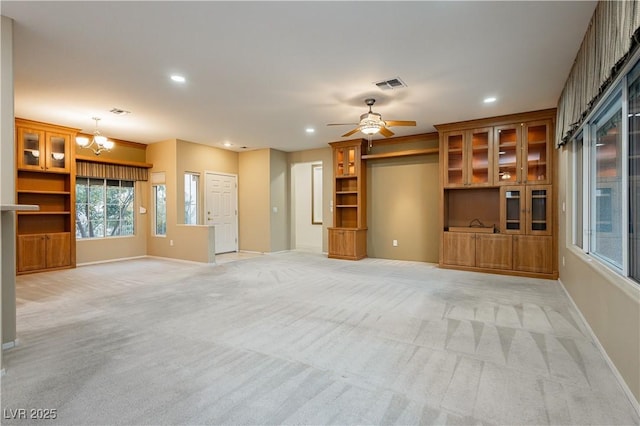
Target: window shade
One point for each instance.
(614, 32)
(110, 171)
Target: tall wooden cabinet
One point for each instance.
(348, 236)
(497, 195)
(45, 177)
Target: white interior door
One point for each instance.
(221, 209)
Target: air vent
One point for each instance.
(392, 83)
(118, 111)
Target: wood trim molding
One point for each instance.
(405, 153)
(543, 114)
(116, 162)
(48, 126)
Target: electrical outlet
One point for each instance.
(395, 243)
(171, 243)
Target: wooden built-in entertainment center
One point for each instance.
(497, 195)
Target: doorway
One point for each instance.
(307, 206)
(221, 209)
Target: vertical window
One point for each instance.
(634, 171)
(578, 191)
(104, 208)
(160, 202)
(191, 185)
(606, 189)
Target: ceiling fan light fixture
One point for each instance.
(370, 128)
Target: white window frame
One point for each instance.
(587, 210)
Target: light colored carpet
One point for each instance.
(296, 338)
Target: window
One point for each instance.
(633, 115)
(160, 202)
(606, 180)
(606, 186)
(104, 208)
(191, 184)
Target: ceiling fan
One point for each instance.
(372, 123)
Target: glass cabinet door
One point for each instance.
(506, 157)
(481, 161)
(31, 149)
(536, 152)
(454, 159)
(512, 203)
(57, 158)
(539, 210)
(346, 161)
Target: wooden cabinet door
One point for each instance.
(494, 251)
(58, 250)
(536, 152)
(513, 209)
(57, 152)
(341, 243)
(480, 157)
(31, 149)
(346, 160)
(459, 248)
(507, 154)
(532, 253)
(31, 252)
(539, 210)
(455, 160)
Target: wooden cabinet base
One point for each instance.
(550, 276)
(520, 255)
(347, 243)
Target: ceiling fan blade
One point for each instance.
(391, 123)
(351, 132)
(386, 132)
(342, 124)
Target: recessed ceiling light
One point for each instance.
(227, 144)
(309, 130)
(489, 100)
(178, 78)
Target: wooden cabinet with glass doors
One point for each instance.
(347, 237)
(468, 158)
(45, 239)
(507, 158)
(522, 153)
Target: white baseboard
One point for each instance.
(193, 262)
(120, 259)
(625, 388)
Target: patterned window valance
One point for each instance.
(612, 36)
(110, 171)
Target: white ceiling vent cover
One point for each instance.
(390, 84)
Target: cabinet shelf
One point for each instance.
(346, 192)
(540, 142)
(30, 191)
(41, 213)
(347, 206)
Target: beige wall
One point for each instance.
(279, 197)
(197, 158)
(254, 201)
(7, 187)
(324, 156)
(163, 157)
(402, 204)
(609, 302)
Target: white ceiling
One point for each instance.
(259, 73)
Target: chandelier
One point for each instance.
(98, 143)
